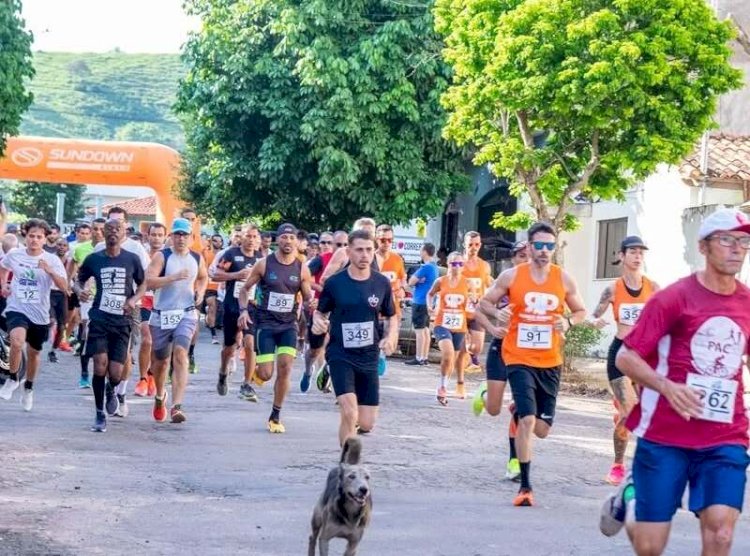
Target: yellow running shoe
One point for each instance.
(257, 380)
(477, 404)
(275, 427)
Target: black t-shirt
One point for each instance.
(52, 249)
(115, 278)
(234, 260)
(315, 265)
(355, 307)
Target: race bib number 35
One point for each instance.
(534, 336)
(630, 313)
(357, 334)
(453, 321)
(112, 303)
(280, 302)
(717, 396)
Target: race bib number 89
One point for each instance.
(357, 334)
(630, 313)
(534, 336)
(717, 396)
(280, 302)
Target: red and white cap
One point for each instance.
(724, 220)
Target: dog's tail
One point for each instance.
(351, 452)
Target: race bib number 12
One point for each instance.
(28, 293)
(717, 396)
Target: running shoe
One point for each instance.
(27, 399)
(52, 357)
(461, 391)
(160, 409)
(472, 368)
(215, 341)
(177, 414)
(513, 470)
(10, 386)
(112, 404)
(413, 362)
(323, 379)
(612, 516)
(276, 427)
(256, 379)
(151, 386)
(616, 474)
(141, 389)
(221, 386)
(100, 423)
(304, 383)
(84, 383)
(247, 392)
(122, 406)
(525, 497)
(442, 396)
(65, 346)
(477, 403)
(192, 367)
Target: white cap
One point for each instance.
(724, 220)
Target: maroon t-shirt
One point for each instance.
(691, 334)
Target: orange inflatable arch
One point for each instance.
(83, 162)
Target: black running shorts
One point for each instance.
(534, 391)
(346, 378)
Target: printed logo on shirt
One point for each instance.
(539, 304)
(717, 347)
(373, 300)
(453, 300)
(113, 280)
(390, 275)
(272, 275)
(294, 278)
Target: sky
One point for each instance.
(134, 26)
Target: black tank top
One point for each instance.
(277, 308)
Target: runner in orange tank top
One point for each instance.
(532, 350)
(216, 245)
(391, 264)
(627, 296)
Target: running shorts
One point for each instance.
(495, 366)
(420, 317)
(57, 306)
(270, 343)
(181, 336)
(230, 328)
(106, 337)
(456, 338)
(36, 334)
(613, 373)
(534, 391)
(347, 378)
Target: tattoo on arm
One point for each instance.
(604, 302)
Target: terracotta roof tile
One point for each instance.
(144, 206)
(728, 159)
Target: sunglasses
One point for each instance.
(539, 245)
(325, 242)
(457, 264)
(342, 244)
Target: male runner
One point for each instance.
(50, 245)
(233, 268)
(350, 308)
(686, 352)
(627, 296)
(179, 277)
(391, 265)
(537, 292)
(83, 236)
(216, 245)
(477, 271)
(157, 236)
(28, 304)
(489, 396)
(422, 281)
(58, 300)
(340, 258)
(280, 277)
(266, 240)
(196, 244)
(114, 270)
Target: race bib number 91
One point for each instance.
(630, 313)
(357, 334)
(534, 336)
(280, 302)
(717, 396)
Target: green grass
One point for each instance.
(112, 96)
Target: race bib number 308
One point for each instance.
(112, 304)
(717, 395)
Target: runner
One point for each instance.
(58, 300)
(212, 292)
(351, 306)
(422, 281)
(157, 236)
(50, 245)
(179, 277)
(28, 304)
(266, 240)
(83, 236)
(391, 265)
(686, 351)
(340, 258)
(196, 244)
(115, 271)
(280, 277)
(537, 292)
(489, 396)
(477, 272)
(627, 296)
(450, 318)
(233, 268)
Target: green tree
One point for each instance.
(322, 111)
(581, 97)
(39, 200)
(15, 67)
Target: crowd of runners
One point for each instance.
(675, 363)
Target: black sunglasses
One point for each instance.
(342, 244)
(324, 242)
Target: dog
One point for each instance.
(344, 509)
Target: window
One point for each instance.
(611, 234)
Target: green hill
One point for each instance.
(116, 96)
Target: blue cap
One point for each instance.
(181, 226)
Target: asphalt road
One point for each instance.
(221, 484)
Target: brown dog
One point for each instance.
(344, 508)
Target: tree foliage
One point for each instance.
(320, 110)
(39, 200)
(581, 97)
(15, 68)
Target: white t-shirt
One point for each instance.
(131, 245)
(30, 287)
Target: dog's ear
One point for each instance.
(351, 452)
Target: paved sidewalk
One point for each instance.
(220, 484)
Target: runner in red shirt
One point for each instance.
(687, 353)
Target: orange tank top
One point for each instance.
(451, 313)
(479, 280)
(532, 339)
(627, 309)
(209, 255)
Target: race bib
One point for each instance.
(28, 293)
(453, 321)
(280, 302)
(717, 396)
(630, 313)
(112, 303)
(357, 334)
(534, 336)
(238, 286)
(170, 319)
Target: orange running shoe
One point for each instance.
(160, 409)
(141, 389)
(65, 346)
(524, 498)
(151, 386)
(460, 390)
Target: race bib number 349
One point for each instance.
(717, 395)
(357, 334)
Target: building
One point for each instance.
(139, 210)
